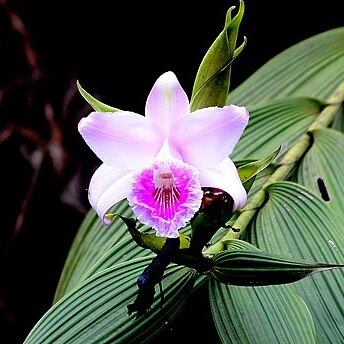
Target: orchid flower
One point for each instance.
(160, 161)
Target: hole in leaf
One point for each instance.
(323, 190)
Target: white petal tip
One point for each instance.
(81, 124)
(241, 111)
(168, 78)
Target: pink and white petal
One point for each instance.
(167, 102)
(225, 176)
(209, 135)
(107, 187)
(124, 140)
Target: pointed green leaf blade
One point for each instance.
(249, 171)
(212, 81)
(253, 268)
(95, 103)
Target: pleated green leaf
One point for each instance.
(92, 242)
(251, 315)
(238, 244)
(296, 223)
(257, 268)
(279, 122)
(311, 68)
(96, 311)
(321, 169)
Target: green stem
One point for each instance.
(288, 162)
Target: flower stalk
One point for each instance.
(286, 165)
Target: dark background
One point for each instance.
(117, 50)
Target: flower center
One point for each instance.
(166, 195)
